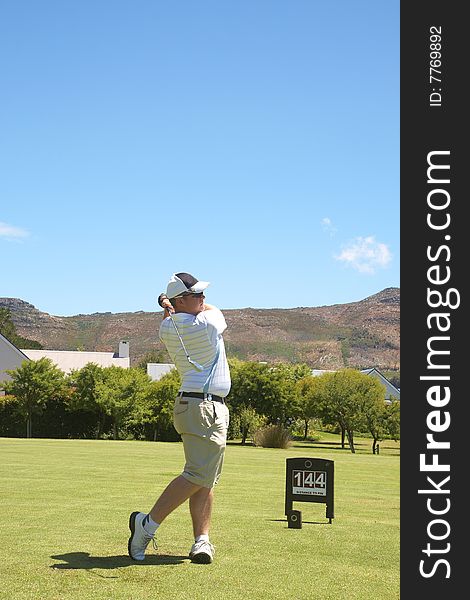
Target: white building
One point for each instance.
(12, 357)
(156, 370)
(67, 360)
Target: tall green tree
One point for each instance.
(155, 411)
(154, 356)
(33, 384)
(118, 393)
(370, 394)
(344, 396)
(255, 386)
(269, 389)
(84, 393)
(392, 420)
(8, 329)
(308, 400)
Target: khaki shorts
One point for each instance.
(203, 426)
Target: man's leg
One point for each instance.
(143, 526)
(179, 490)
(200, 506)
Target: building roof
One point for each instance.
(67, 360)
(6, 342)
(10, 357)
(391, 392)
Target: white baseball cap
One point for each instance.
(184, 283)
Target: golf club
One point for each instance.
(196, 365)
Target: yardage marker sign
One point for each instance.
(309, 480)
(309, 483)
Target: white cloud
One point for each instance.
(365, 255)
(328, 226)
(12, 233)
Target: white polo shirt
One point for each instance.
(202, 336)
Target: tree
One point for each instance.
(246, 421)
(156, 409)
(11, 421)
(248, 385)
(393, 377)
(119, 391)
(344, 396)
(154, 356)
(308, 400)
(392, 420)
(286, 377)
(252, 387)
(268, 389)
(8, 329)
(370, 394)
(84, 396)
(33, 384)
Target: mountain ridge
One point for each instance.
(358, 334)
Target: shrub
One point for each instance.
(245, 422)
(273, 436)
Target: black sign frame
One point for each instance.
(309, 480)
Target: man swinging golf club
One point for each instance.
(192, 333)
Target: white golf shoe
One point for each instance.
(202, 552)
(139, 539)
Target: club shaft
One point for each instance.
(192, 362)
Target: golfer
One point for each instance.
(192, 333)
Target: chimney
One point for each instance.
(123, 349)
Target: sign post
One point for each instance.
(308, 480)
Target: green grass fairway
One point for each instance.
(66, 504)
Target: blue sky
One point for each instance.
(254, 144)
